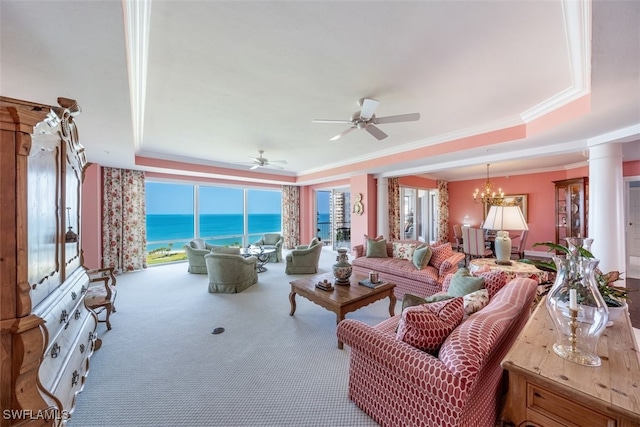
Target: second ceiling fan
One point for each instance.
(367, 120)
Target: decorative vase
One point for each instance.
(342, 269)
(576, 307)
(502, 245)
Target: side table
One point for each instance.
(516, 269)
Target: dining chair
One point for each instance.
(519, 249)
(474, 244)
(457, 235)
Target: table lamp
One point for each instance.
(502, 218)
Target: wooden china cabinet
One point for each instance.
(572, 208)
(47, 334)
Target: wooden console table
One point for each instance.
(547, 390)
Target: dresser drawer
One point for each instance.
(61, 348)
(60, 306)
(563, 411)
(73, 375)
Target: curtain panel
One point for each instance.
(291, 216)
(394, 208)
(124, 230)
(443, 211)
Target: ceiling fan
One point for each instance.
(263, 162)
(365, 119)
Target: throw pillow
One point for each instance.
(426, 326)
(404, 250)
(494, 281)
(421, 256)
(475, 301)
(463, 283)
(377, 249)
(440, 254)
(375, 239)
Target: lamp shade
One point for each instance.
(505, 218)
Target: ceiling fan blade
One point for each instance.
(254, 167)
(282, 162)
(341, 134)
(400, 118)
(376, 132)
(330, 121)
(368, 108)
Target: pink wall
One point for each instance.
(417, 182)
(540, 191)
(365, 223)
(91, 228)
(307, 215)
(631, 168)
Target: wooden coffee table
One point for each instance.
(343, 299)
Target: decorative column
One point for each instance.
(606, 206)
(383, 207)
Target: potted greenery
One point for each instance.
(614, 296)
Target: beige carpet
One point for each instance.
(160, 365)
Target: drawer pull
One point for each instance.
(64, 316)
(74, 296)
(82, 348)
(76, 315)
(74, 378)
(55, 350)
(91, 336)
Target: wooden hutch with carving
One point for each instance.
(47, 334)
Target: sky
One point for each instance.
(165, 198)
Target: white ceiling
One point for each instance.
(227, 78)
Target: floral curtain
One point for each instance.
(443, 211)
(291, 216)
(124, 235)
(394, 208)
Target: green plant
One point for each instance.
(614, 296)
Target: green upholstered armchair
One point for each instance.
(272, 240)
(304, 259)
(230, 273)
(196, 250)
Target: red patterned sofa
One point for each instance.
(398, 385)
(402, 273)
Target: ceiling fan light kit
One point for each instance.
(367, 120)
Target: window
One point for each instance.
(170, 219)
(221, 214)
(177, 213)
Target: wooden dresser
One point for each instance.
(547, 390)
(47, 334)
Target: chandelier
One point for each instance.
(489, 196)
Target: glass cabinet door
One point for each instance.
(571, 208)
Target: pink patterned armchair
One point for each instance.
(398, 385)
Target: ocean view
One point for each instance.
(220, 229)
